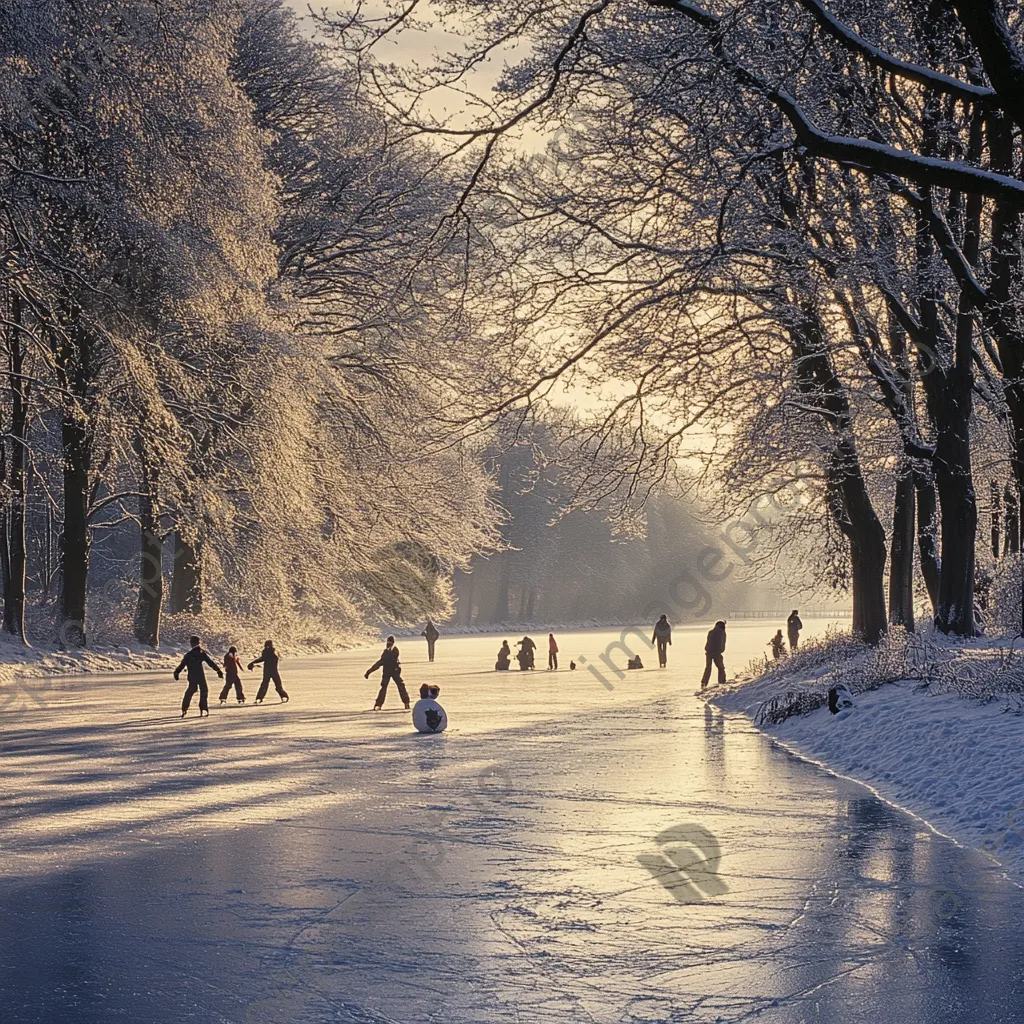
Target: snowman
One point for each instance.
(427, 714)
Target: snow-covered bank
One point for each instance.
(937, 729)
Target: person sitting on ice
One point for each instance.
(778, 646)
(504, 658)
(427, 714)
(635, 662)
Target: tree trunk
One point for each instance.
(74, 553)
(14, 589)
(501, 601)
(901, 556)
(928, 535)
(187, 577)
(151, 568)
(1011, 534)
(993, 512)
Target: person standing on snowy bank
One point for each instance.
(793, 627)
(713, 651)
(431, 633)
(192, 663)
(388, 661)
(663, 638)
(778, 646)
(270, 660)
(232, 664)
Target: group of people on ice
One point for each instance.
(525, 655)
(793, 627)
(195, 660)
(714, 649)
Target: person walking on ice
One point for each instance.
(663, 637)
(270, 660)
(388, 661)
(431, 633)
(793, 627)
(192, 663)
(713, 651)
(552, 651)
(232, 664)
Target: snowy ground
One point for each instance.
(565, 852)
(957, 762)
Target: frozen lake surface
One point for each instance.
(564, 852)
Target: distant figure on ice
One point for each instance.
(192, 663)
(572, 666)
(793, 627)
(778, 646)
(552, 652)
(388, 661)
(428, 715)
(431, 633)
(713, 651)
(663, 638)
(525, 653)
(635, 662)
(270, 660)
(231, 677)
(504, 657)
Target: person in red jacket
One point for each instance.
(232, 665)
(552, 651)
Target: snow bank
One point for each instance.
(942, 736)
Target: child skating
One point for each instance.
(193, 663)
(232, 665)
(270, 659)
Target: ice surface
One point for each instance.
(315, 861)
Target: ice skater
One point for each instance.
(713, 651)
(232, 664)
(388, 661)
(270, 660)
(793, 627)
(552, 652)
(192, 663)
(431, 633)
(663, 637)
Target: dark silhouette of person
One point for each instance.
(388, 661)
(431, 633)
(663, 638)
(713, 651)
(193, 663)
(634, 662)
(270, 660)
(231, 677)
(525, 656)
(552, 652)
(778, 645)
(793, 627)
(504, 657)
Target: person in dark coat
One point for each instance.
(270, 660)
(793, 627)
(713, 651)
(663, 638)
(525, 653)
(778, 645)
(431, 633)
(232, 664)
(388, 661)
(504, 657)
(192, 664)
